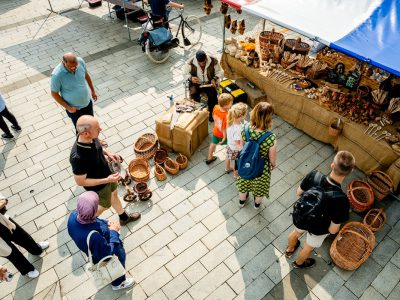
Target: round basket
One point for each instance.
(297, 46)
(160, 173)
(160, 156)
(360, 195)
(140, 187)
(182, 161)
(336, 127)
(381, 184)
(352, 246)
(267, 38)
(146, 145)
(139, 169)
(375, 219)
(171, 166)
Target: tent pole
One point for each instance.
(264, 22)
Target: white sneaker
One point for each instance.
(129, 282)
(33, 274)
(44, 245)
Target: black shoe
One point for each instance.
(308, 263)
(16, 128)
(211, 119)
(7, 136)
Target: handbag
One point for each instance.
(107, 269)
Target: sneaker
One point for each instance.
(44, 245)
(131, 217)
(33, 274)
(7, 136)
(16, 128)
(308, 263)
(129, 282)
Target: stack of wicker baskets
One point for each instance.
(352, 246)
(268, 40)
(146, 145)
(381, 184)
(360, 195)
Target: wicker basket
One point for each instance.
(381, 184)
(182, 161)
(268, 40)
(140, 187)
(160, 173)
(139, 169)
(171, 166)
(160, 156)
(297, 46)
(352, 246)
(146, 145)
(360, 195)
(375, 219)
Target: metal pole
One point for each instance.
(264, 21)
(223, 33)
(126, 21)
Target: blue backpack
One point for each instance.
(250, 163)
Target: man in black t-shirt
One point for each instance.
(337, 211)
(91, 170)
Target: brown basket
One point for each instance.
(140, 187)
(375, 219)
(352, 246)
(267, 38)
(160, 156)
(381, 184)
(160, 173)
(297, 46)
(171, 166)
(182, 161)
(146, 145)
(360, 195)
(139, 169)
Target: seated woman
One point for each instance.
(11, 233)
(83, 220)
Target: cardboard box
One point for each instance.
(189, 131)
(254, 95)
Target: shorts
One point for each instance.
(313, 240)
(232, 154)
(105, 194)
(215, 140)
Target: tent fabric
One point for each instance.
(366, 29)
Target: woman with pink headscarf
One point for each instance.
(83, 220)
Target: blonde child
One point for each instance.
(236, 115)
(220, 113)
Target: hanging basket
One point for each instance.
(139, 169)
(160, 173)
(360, 195)
(375, 219)
(182, 161)
(160, 156)
(146, 145)
(352, 246)
(381, 184)
(171, 166)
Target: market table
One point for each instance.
(308, 116)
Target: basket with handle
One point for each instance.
(360, 195)
(381, 184)
(268, 40)
(182, 161)
(352, 246)
(160, 156)
(160, 173)
(297, 46)
(139, 169)
(146, 145)
(375, 219)
(171, 166)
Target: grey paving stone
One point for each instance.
(257, 289)
(247, 231)
(291, 287)
(345, 294)
(384, 251)
(371, 293)
(195, 272)
(176, 287)
(222, 292)
(155, 281)
(387, 279)
(329, 285)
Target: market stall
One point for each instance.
(350, 101)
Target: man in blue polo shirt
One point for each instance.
(72, 87)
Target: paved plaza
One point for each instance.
(192, 241)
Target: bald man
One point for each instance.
(72, 87)
(91, 170)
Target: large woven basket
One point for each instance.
(352, 246)
(360, 195)
(160, 173)
(182, 161)
(171, 166)
(139, 169)
(297, 46)
(381, 184)
(268, 40)
(146, 145)
(160, 156)
(375, 219)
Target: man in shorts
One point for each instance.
(337, 210)
(91, 169)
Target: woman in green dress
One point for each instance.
(260, 122)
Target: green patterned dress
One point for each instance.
(258, 186)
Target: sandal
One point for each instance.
(308, 263)
(288, 254)
(228, 171)
(209, 161)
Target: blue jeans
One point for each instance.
(122, 258)
(88, 110)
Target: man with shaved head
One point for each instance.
(72, 87)
(91, 170)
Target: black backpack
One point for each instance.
(310, 210)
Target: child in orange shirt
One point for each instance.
(220, 113)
